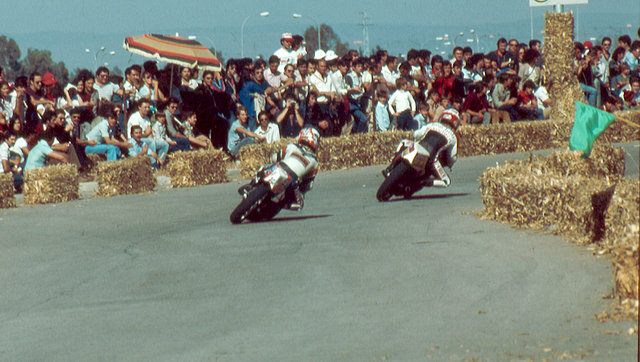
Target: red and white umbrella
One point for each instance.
(173, 49)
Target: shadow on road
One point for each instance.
(289, 218)
(294, 218)
(423, 197)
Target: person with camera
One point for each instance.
(289, 119)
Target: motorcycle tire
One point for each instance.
(385, 190)
(248, 204)
(267, 211)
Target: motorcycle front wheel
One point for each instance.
(248, 204)
(385, 190)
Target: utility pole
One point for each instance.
(365, 35)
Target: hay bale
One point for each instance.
(558, 57)
(195, 168)
(253, 156)
(7, 198)
(586, 199)
(378, 148)
(128, 176)
(625, 271)
(51, 184)
(561, 191)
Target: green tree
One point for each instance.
(9, 57)
(35, 61)
(330, 40)
(40, 61)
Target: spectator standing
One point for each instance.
(383, 121)
(402, 105)
(285, 54)
(104, 87)
(528, 69)
(322, 84)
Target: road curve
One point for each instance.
(166, 276)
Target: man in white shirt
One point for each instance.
(105, 89)
(390, 70)
(285, 54)
(321, 82)
(272, 75)
(141, 118)
(132, 83)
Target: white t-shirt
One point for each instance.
(286, 57)
(4, 151)
(271, 134)
(541, 95)
(18, 146)
(322, 84)
(106, 91)
(390, 76)
(136, 119)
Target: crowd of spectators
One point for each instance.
(154, 111)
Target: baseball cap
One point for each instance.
(48, 79)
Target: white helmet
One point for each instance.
(310, 137)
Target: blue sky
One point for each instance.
(93, 23)
(131, 16)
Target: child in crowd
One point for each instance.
(159, 130)
(382, 112)
(421, 118)
(528, 106)
(632, 96)
(402, 105)
(9, 164)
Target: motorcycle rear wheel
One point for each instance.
(248, 204)
(385, 190)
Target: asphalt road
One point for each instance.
(165, 276)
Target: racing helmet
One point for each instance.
(451, 118)
(310, 137)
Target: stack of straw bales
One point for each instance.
(586, 199)
(7, 199)
(378, 148)
(335, 153)
(195, 168)
(51, 184)
(128, 176)
(558, 57)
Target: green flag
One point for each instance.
(589, 123)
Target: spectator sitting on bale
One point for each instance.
(138, 147)
(42, 152)
(9, 163)
(100, 139)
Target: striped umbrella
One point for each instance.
(172, 49)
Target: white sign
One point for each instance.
(556, 2)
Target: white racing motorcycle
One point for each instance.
(282, 184)
(417, 164)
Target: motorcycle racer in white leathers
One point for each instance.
(300, 158)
